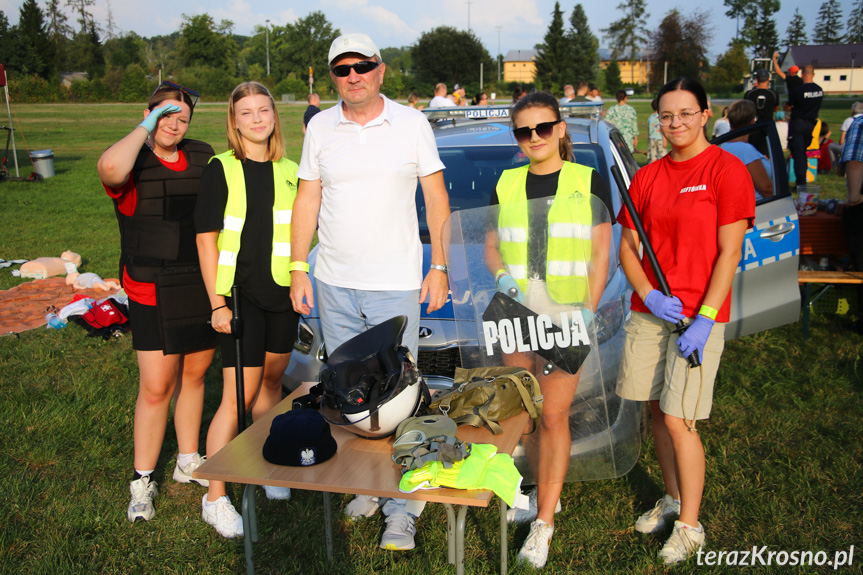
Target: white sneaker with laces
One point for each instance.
(657, 518)
(684, 542)
(143, 491)
(184, 474)
(222, 515)
(516, 515)
(399, 534)
(362, 506)
(535, 548)
(274, 492)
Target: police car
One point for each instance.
(476, 145)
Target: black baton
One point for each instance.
(693, 358)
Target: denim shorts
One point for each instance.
(346, 312)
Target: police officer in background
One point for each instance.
(805, 102)
(766, 103)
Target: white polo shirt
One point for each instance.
(368, 231)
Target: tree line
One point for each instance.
(208, 56)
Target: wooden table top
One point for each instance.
(818, 277)
(360, 466)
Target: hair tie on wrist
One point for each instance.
(220, 307)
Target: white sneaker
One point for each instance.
(657, 518)
(277, 493)
(684, 542)
(399, 534)
(184, 474)
(222, 515)
(143, 491)
(362, 506)
(535, 548)
(516, 515)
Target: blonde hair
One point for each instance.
(276, 142)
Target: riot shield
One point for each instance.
(537, 284)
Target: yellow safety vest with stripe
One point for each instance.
(285, 179)
(569, 231)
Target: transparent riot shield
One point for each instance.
(537, 284)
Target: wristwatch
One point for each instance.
(441, 268)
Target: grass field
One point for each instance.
(784, 445)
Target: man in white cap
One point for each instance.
(358, 175)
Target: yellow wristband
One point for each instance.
(708, 312)
(500, 273)
(299, 267)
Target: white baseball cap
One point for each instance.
(352, 44)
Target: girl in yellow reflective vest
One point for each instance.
(243, 219)
(564, 267)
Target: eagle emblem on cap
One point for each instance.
(307, 457)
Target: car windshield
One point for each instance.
(472, 173)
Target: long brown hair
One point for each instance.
(544, 100)
(276, 142)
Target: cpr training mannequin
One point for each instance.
(90, 281)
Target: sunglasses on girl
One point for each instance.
(543, 130)
(363, 67)
(193, 95)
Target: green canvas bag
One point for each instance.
(486, 395)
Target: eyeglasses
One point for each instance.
(685, 117)
(193, 95)
(363, 67)
(543, 130)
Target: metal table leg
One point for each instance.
(459, 539)
(450, 533)
(807, 303)
(250, 526)
(328, 525)
(503, 542)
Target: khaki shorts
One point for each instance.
(653, 368)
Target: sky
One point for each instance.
(509, 24)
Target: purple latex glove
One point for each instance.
(664, 307)
(695, 336)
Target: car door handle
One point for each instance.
(776, 232)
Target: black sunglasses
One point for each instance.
(193, 95)
(363, 67)
(543, 130)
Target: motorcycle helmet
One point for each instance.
(371, 382)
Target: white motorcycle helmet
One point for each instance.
(371, 382)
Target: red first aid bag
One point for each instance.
(106, 314)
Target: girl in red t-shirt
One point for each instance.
(135, 173)
(696, 205)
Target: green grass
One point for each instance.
(784, 450)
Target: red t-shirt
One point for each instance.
(682, 205)
(143, 293)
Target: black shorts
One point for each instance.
(263, 331)
(145, 327)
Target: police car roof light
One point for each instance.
(571, 109)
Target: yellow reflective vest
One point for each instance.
(569, 231)
(484, 468)
(285, 178)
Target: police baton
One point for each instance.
(694, 360)
(237, 332)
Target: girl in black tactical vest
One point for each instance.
(152, 176)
